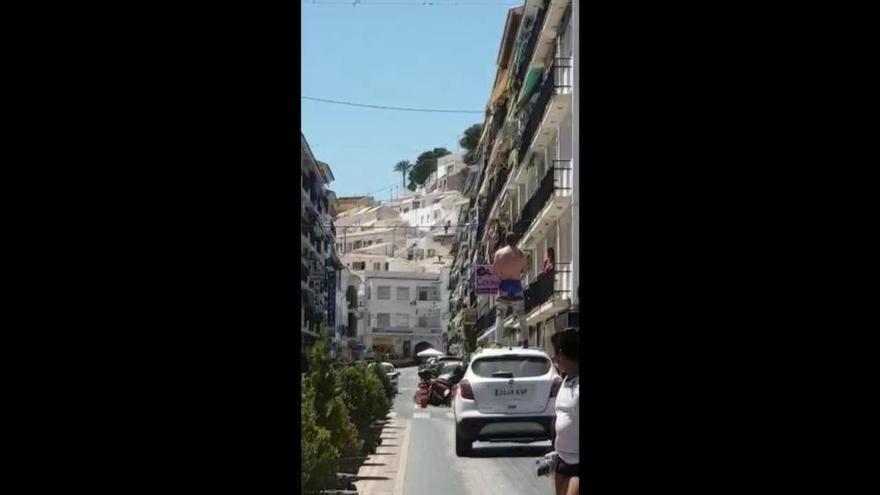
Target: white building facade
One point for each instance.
(405, 311)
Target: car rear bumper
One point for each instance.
(482, 428)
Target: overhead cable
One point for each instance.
(384, 107)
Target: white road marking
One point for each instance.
(421, 415)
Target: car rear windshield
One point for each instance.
(387, 368)
(517, 366)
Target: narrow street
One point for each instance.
(432, 468)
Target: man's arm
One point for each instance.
(495, 264)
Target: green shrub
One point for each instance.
(319, 458)
(365, 399)
(330, 411)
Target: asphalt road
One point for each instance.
(432, 468)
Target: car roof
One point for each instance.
(389, 364)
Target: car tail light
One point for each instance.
(466, 391)
(557, 382)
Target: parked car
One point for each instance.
(505, 395)
(392, 374)
(438, 362)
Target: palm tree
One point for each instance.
(403, 167)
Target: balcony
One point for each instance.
(553, 20)
(554, 99)
(547, 205)
(407, 330)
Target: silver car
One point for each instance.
(391, 373)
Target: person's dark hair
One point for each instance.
(511, 238)
(567, 343)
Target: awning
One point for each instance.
(529, 85)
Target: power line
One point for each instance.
(383, 107)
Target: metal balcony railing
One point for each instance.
(486, 321)
(534, 205)
(557, 181)
(545, 93)
(558, 80)
(549, 285)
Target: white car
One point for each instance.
(392, 374)
(506, 394)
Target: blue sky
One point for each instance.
(396, 55)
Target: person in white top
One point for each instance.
(567, 476)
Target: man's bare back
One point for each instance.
(510, 263)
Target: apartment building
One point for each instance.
(405, 311)
(526, 182)
(320, 263)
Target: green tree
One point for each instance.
(330, 409)
(319, 459)
(403, 167)
(425, 165)
(469, 141)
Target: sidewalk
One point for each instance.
(385, 470)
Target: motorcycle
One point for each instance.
(442, 387)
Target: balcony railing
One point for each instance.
(486, 321)
(534, 205)
(557, 181)
(407, 330)
(557, 81)
(547, 286)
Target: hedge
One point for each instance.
(339, 404)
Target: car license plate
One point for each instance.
(511, 392)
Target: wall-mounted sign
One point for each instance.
(486, 282)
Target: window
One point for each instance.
(436, 215)
(431, 253)
(429, 294)
(511, 366)
(377, 266)
(383, 293)
(401, 320)
(360, 265)
(406, 210)
(386, 266)
(420, 254)
(415, 204)
(383, 319)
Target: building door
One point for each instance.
(406, 349)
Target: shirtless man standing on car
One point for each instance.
(510, 265)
